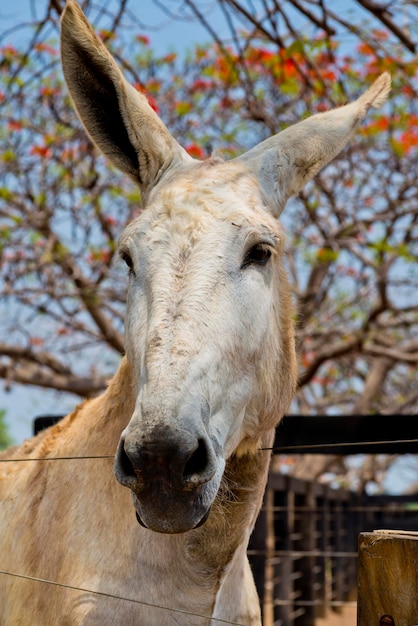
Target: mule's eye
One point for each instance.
(128, 260)
(257, 255)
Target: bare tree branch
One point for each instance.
(30, 374)
(380, 11)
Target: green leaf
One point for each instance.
(182, 108)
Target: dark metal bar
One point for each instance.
(386, 434)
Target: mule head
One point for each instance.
(208, 327)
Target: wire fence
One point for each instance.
(304, 547)
(368, 446)
(118, 597)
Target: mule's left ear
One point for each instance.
(287, 161)
(118, 118)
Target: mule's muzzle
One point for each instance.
(172, 479)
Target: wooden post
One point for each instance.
(388, 578)
(283, 570)
(322, 544)
(257, 552)
(306, 543)
(270, 545)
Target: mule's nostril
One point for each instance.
(124, 470)
(125, 462)
(196, 466)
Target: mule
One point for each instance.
(209, 371)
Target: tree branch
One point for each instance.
(40, 358)
(374, 381)
(382, 14)
(32, 374)
(333, 351)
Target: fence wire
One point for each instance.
(117, 597)
(277, 449)
(275, 509)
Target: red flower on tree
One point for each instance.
(195, 151)
(41, 151)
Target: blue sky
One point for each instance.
(166, 34)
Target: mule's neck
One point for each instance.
(105, 417)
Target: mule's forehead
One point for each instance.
(199, 200)
(214, 187)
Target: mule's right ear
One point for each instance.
(116, 116)
(285, 162)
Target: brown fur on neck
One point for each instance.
(235, 509)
